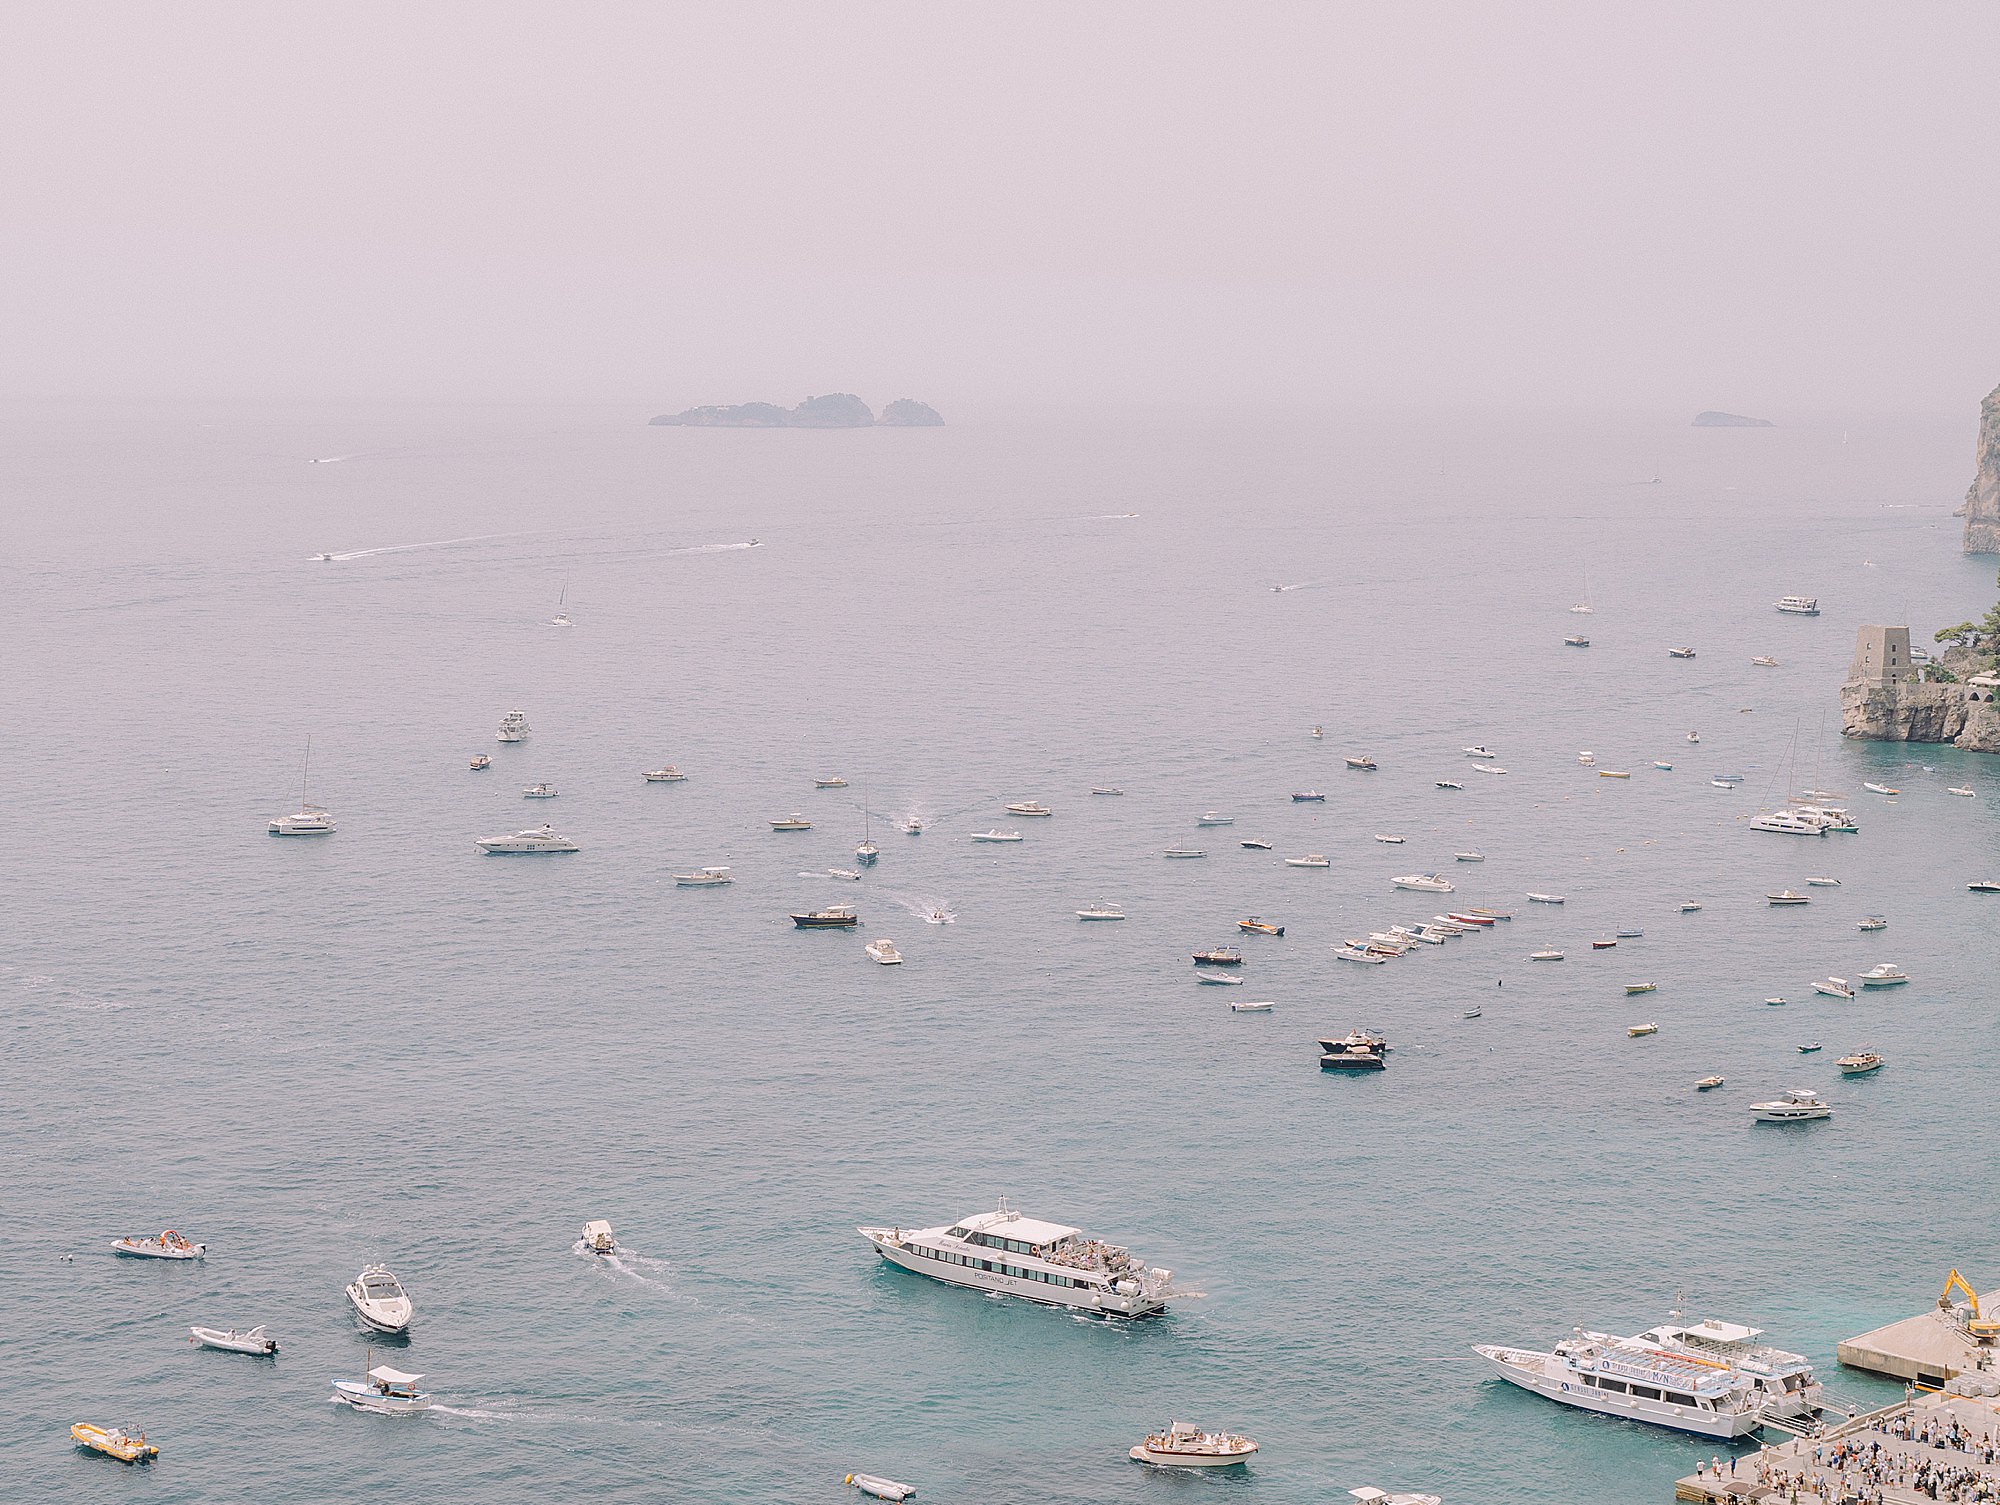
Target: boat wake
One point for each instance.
(642, 1268)
(474, 1413)
(404, 548)
(716, 548)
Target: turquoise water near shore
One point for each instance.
(382, 1046)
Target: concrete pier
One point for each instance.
(1927, 1349)
(1927, 1448)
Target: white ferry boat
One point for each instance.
(1782, 1383)
(1799, 606)
(1012, 1255)
(1652, 1385)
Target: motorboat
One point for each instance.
(1721, 784)
(1251, 1008)
(1311, 859)
(1005, 1253)
(836, 782)
(1449, 784)
(1255, 926)
(938, 916)
(386, 1392)
(1834, 987)
(1873, 922)
(1468, 856)
(1363, 762)
(1180, 1445)
(1631, 935)
(1545, 899)
(1483, 753)
(1214, 818)
(851, 874)
(1354, 1051)
(1798, 606)
(792, 822)
(1786, 822)
(1663, 765)
(885, 952)
(1729, 778)
(1108, 790)
(1613, 773)
(1775, 1003)
(708, 877)
(1961, 792)
(879, 1488)
(1984, 886)
(1183, 853)
(1680, 653)
(1861, 1063)
(912, 827)
(309, 819)
(1694, 736)
(1493, 768)
(1576, 640)
(1635, 1030)
(1887, 975)
(1822, 883)
(1786, 896)
(1219, 956)
(1809, 1048)
(1218, 979)
(169, 1245)
(833, 917)
(1389, 941)
(1353, 953)
(1880, 789)
(1429, 883)
(1472, 1013)
(1800, 1105)
(1101, 911)
(1602, 945)
(1764, 662)
(1029, 807)
(256, 1341)
(1254, 845)
(1308, 797)
(1394, 841)
(1545, 956)
(380, 1300)
(1782, 1383)
(667, 775)
(1492, 914)
(1636, 1383)
(1633, 989)
(1708, 1084)
(597, 1237)
(1317, 734)
(540, 792)
(1688, 906)
(479, 761)
(537, 839)
(513, 728)
(997, 835)
(114, 1442)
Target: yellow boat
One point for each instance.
(1613, 773)
(1639, 987)
(114, 1443)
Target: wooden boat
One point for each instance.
(114, 1443)
(1708, 1084)
(1633, 988)
(387, 1392)
(1219, 956)
(1546, 956)
(1613, 773)
(1255, 926)
(1363, 762)
(1602, 945)
(833, 917)
(1636, 1030)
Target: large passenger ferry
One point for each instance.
(1703, 1396)
(1012, 1255)
(1782, 1383)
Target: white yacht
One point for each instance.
(1311, 859)
(667, 775)
(540, 792)
(1787, 823)
(1429, 883)
(513, 727)
(1638, 1384)
(1587, 758)
(386, 1391)
(1781, 1383)
(1483, 753)
(1888, 975)
(792, 822)
(1101, 911)
(996, 835)
(1012, 1255)
(380, 1299)
(1799, 1105)
(309, 819)
(885, 952)
(1764, 661)
(1799, 606)
(536, 839)
(1833, 987)
(1785, 897)
(1029, 807)
(708, 877)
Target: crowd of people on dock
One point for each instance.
(1853, 1471)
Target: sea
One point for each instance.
(383, 1046)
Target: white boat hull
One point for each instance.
(1144, 1454)
(1107, 1303)
(1515, 1367)
(254, 1342)
(368, 1398)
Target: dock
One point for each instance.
(1926, 1448)
(1926, 1349)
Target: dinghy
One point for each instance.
(114, 1442)
(169, 1245)
(880, 1488)
(229, 1340)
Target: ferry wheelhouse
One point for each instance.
(1782, 1382)
(1012, 1255)
(1703, 1396)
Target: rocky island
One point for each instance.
(836, 410)
(1982, 499)
(1713, 420)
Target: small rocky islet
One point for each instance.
(836, 410)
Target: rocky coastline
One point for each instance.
(1962, 710)
(1982, 498)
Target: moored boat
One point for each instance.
(537, 839)
(1887, 975)
(833, 917)
(1355, 1051)
(114, 1442)
(228, 1340)
(885, 952)
(380, 1300)
(1861, 1063)
(1180, 1445)
(1219, 956)
(708, 877)
(1311, 859)
(667, 775)
(1256, 926)
(793, 822)
(1834, 987)
(1708, 1084)
(1101, 911)
(877, 1487)
(1648, 1028)
(1800, 1105)
(168, 1245)
(1637, 1384)
(996, 836)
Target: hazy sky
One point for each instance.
(1757, 206)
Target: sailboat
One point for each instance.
(561, 618)
(309, 819)
(867, 852)
(1583, 608)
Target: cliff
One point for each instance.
(1962, 713)
(1982, 499)
(836, 410)
(1730, 421)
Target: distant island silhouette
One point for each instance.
(836, 410)
(1730, 421)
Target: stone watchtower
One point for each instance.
(1881, 658)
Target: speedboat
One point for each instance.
(1799, 606)
(1394, 841)
(1887, 975)
(386, 1391)
(1311, 859)
(1576, 640)
(1029, 807)
(1101, 911)
(1861, 1063)
(1308, 797)
(1873, 922)
(1353, 953)
(1708, 1084)
(540, 792)
(1483, 753)
(597, 1237)
(1251, 1008)
(1694, 736)
(1449, 784)
(879, 1488)
(1545, 898)
(1182, 852)
(513, 727)
(912, 827)
(1984, 886)
(667, 775)
(1006, 1254)
(708, 877)
(380, 1300)
(538, 839)
(1215, 818)
(1468, 856)
(1785, 896)
(479, 761)
(852, 874)
(1680, 653)
(1317, 734)
(1635, 1030)
(836, 782)
(1688, 906)
(1255, 926)
(996, 835)
(833, 917)
(1182, 1446)
(1363, 762)
(1354, 1051)
(1254, 845)
(885, 952)
(114, 1442)
(1218, 979)
(1764, 662)
(1545, 956)
(1822, 883)
(1800, 1105)
(1429, 883)
(1776, 1003)
(1663, 765)
(229, 1340)
(792, 822)
(1834, 987)
(169, 1245)
(1637, 1383)
(1880, 789)
(1107, 790)
(1219, 956)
